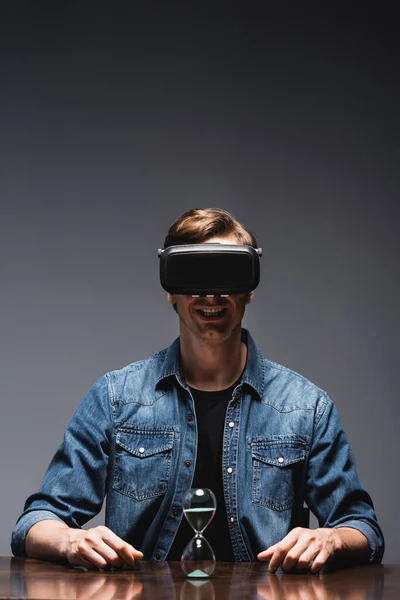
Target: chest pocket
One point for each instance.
(277, 466)
(143, 462)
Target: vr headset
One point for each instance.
(209, 269)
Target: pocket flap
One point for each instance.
(143, 443)
(278, 452)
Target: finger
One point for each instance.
(126, 552)
(283, 547)
(88, 558)
(109, 554)
(278, 557)
(292, 560)
(277, 552)
(308, 555)
(320, 560)
(266, 554)
(92, 542)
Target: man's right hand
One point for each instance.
(96, 548)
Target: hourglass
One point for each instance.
(199, 506)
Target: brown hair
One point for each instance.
(200, 224)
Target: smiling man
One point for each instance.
(209, 411)
(212, 352)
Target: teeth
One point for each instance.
(211, 311)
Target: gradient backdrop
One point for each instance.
(118, 117)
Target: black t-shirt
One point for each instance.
(210, 414)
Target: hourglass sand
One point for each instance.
(199, 506)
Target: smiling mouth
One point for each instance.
(211, 313)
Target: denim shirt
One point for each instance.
(133, 440)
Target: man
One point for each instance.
(209, 411)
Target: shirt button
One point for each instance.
(175, 512)
(281, 460)
(188, 463)
(157, 555)
(229, 470)
(231, 424)
(190, 418)
(141, 450)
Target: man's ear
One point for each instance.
(249, 297)
(171, 298)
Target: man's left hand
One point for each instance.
(303, 549)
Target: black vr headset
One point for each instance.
(209, 269)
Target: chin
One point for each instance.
(216, 336)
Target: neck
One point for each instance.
(211, 366)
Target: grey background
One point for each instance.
(115, 120)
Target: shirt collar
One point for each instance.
(172, 363)
(254, 372)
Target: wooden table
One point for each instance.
(28, 578)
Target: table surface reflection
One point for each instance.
(29, 578)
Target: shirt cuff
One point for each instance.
(23, 526)
(375, 544)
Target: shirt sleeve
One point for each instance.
(74, 485)
(334, 491)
